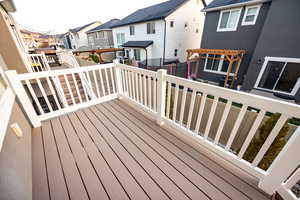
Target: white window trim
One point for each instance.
(228, 29)
(244, 23)
(276, 59)
(219, 67)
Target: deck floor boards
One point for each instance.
(111, 151)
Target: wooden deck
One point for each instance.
(110, 151)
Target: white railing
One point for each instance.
(67, 58)
(38, 62)
(188, 107)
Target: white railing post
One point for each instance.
(46, 63)
(23, 98)
(118, 78)
(161, 95)
(286, 162)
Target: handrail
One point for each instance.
(185, 106)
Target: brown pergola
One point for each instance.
(99, 52)
(231, 56)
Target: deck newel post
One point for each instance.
(23, 98)
(283, 166)
(161, 95)
(118, 78)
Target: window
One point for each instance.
(132, 30)
(216, 64)
(120, 38)
(250, 16)
(171, 24)
(101, 34)
(91, 40)
(137, 54)
(96, 35)
(281, 75)
(151, 28)
(229, 20)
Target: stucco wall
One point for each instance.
(245, 37)
(180, 37)
(15, 160)
(155, 50)
(279, 38)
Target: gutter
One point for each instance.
(235, 5)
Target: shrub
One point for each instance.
(95, 58)
(258, 141)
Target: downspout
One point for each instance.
(165, 35)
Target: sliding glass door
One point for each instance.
(280, 75)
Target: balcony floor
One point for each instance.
(111, 151)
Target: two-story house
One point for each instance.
(101, 36)
(268, 30)
(163, 31)
(76, 37)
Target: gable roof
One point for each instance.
(222, 4)
(104, 26)
(158, 11)
(77, 29)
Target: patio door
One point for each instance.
(281, 75)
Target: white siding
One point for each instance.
(182, 38)
(154, 51)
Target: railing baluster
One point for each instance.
(44, 94)
(283, 118)
(76, 86)
(252, 132)
(169, 100)
(133, 85)
(191, 110)
(223, 121)
(112, 80)
(141, 89)
(125, 90)
(107, 81)
(101, 82)
(149, 92)
(145, 90)
(175, 102)
(200, 113)
(183, 100)
(236, 126)
(28, 84)
(53, 92)
(127, 83)
(96, 83)
(137, 87)
(154, 94)
(211, 116)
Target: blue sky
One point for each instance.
(60, 15)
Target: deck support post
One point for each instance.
(161, 95)
(284, 165)
(23, 98)
(118, 78)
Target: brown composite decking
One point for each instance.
(111, 151)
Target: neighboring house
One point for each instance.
(271, 41)
(76, 37)
(101, 36)
(163, 31)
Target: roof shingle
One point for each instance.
(105, 26)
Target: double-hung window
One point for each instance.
(120, 38)
(251, 14)
(229, 19)
(151, 28)
(131, 30)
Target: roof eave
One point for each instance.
(8, 5)
(105, 29)
(235, 5)
(138, 22)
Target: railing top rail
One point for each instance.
(35, 54)
(35, 75)
(260, 102)
(138, 70)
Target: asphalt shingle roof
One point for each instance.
(158, 11)
(105, 26)
(138, 44)
(77, 29)
(219, 3)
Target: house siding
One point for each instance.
(105, 42)
(279, 38)
(244, 38)
(180, 37)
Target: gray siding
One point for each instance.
(280, 37)
(105, 42)
(244, 38)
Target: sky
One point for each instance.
(58, 16)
